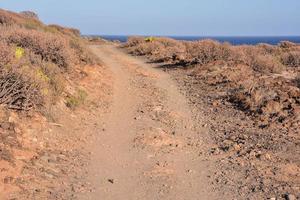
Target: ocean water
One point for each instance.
(233, 40)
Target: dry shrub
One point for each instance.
(157, 49)
(270, 100)
(51, 48)
(34, 58)
(245, 72)
(266, 64)
(10, 18)
(83, 54)
(134, 41)
(262, 102)
(252, 99)
(18, 92)
(246, 54)
(64, 30)
(47, 75)
(291, 59)
(269, 49)
(170, 50)
(6, 54)
(170, 53)
(7, 18)
(166, 49)
(167, 42)
(262, 58)
(206, 51)
(146, 48)
(286, 44)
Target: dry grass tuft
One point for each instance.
(291, 59)
(266, 63)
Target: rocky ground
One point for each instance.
(247, 97)
(254, 162)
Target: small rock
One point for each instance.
(290, 197)
(10, 119)
(236, 147)
(215, 103)
(268, 156)
(17, 130)
(215, 151)
(111, 181)
(51, 176)
(5, 126)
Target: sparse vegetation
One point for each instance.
(77, 99)
(250, 97)
(34, 55)
(50, 47)
(249, 74)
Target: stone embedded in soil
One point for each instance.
(112, 181)
(290, 197)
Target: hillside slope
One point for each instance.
(49, 85)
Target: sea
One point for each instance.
(237, 40)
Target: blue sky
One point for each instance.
(169, 17)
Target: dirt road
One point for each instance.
(151, 147)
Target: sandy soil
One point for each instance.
(151, 147)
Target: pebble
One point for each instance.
(290, 197)
(17, 130)
(112, 181)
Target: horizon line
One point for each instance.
(125, 35)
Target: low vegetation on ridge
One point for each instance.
(261, 80)
(248, 99)
(39, 55)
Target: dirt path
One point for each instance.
(150, 148)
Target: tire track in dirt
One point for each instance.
(151, 148)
